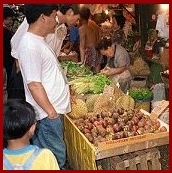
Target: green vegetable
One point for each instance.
(90, 84)
(74, 69)
(141, 94)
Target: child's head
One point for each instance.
(19, 119)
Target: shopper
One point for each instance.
(46, 86)
(68, 14)
(118, 63)
(8, 60)
(73, 43)
(19, 127)
(89, 34)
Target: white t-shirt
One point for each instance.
(17, 36)
(38, 63)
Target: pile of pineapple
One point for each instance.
(95, 103)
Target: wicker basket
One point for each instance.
(138, 81)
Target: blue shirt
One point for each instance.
(74, 34)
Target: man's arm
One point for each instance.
(39, 94)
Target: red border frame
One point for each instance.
(60, 2)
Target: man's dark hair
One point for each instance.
(33, 11)
(19, 116)
(65, 7)
(84, 13)
(8, 12)
(103, 44)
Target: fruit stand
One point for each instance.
(106, 129)
(83, 155)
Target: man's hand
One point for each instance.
(66, 51)
(52, 115)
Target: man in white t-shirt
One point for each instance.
(45, 84)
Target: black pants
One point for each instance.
(15, 89)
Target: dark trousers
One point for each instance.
(15, 88)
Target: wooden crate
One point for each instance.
(148, 159)
(82, 155)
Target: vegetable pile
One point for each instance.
(90, 84)
(116, 124)
(143, 94)
(74, 69)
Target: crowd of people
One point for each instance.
(34, 110)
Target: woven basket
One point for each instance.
(139, 81)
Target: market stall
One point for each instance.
(108, 129)
(100, 128)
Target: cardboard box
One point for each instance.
(158, 110)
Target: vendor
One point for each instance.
(117, 64)
(89, 35)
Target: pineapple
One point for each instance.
(90, 101)
(125, 102)
(79, 109)
(104, 102)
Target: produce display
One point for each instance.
(93, 84)
(90, 101)
(74, 69)
(79, 108)
(117, 123)
(93, 103)
(141, 94)
(104, 102)
(125, 102)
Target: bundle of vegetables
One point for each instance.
(74, 69)
(90, 84)
(143, 94)
(117, 123)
